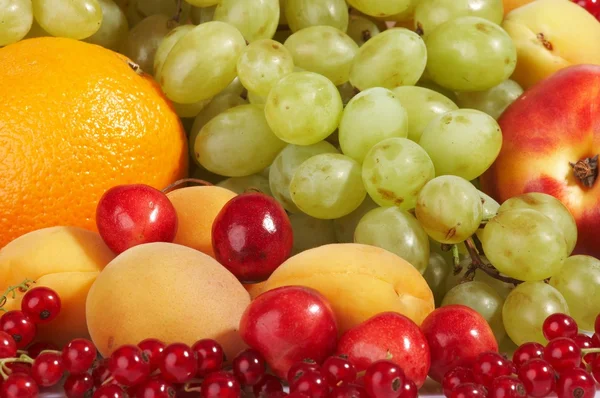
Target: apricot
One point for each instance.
(169, 292)
(359, 281)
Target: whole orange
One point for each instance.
(75, 120)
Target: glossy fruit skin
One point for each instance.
(384, 379)
(78, 385)
(313, 384)
(251, 236)
(47, 369)
(100, 372)
(220, 385)
(592, 6)
(248, 367)
(455, 377)
(456, 335)
(36, 348)
(350, 391)
(538, 377)
(19, 385)
(300, 367)
(130, 215)
(210, 356)
(562, 353)
(78, 356)
(179, 363)
(527, 351)
(19, 326)
(468, 390)
(128, 365)
(110, 391)
(596, 369)
(288, 324)
(507, 387)
(153, 349)
(409, 389)
(338, 370)
(41, 304)
(388, 332)
(488, 366)
(8, 346)
(156, 387)
(267, 385)
(575, 383)
(559, 325)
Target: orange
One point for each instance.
(75, 120)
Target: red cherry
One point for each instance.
(19, 326)
(312, 384)
(353, 391)
(538, 377)
(455, 377)
(409, 390)
(562, 353)
(251, 236)
(110, 391)
(559, 325)
(595, 366)
(129, 215)
(100, 372)
(47, 369)
(78, 356)
(384, 379)
(266, 386)
(299, 368)
(468, 390)
(490, 365)
(8, 347)
(526, 352)
(36, 348)
(128, 365)
(179, 363)
(79, 385)
(220, 385)
(248, 367)
(41, 304)
(507, 387)
(575, 383)
(155, 387)
(210, 356)
(19, 385)
(153, 349)
(338, 370)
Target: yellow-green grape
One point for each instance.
(303, 108)
(502, 288)
(16, 18)
(143, 40)
(396, 57)
(327, 186)
(482, 298)
(262, 64)
(397, 231)
(422, 105)
(426, 82)
(114, 27)
(73, 19)
(552, 208)
(370, 117)
(255, 19)
(284, 166)
(429, 14)
(524, 244)
(137, 10)
(310, 232)
(361, 29)
(527, 307)
(579, 283)
(190, 110)
(435, 274)
(301, 14)
(235, 87)
(202, 63)
(470, 54)
(200, 15)
(324, 50)
(381, 8)
(237, 142)
(165, 47)
(203, 3)
(490, 206)
(253, 182)
(463, 142)
(345, 226)
(395, 170)
(493, 101)
(449, 208)
(256, 99)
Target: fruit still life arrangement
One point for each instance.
(299, 198)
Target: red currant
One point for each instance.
(155, 387)
(100, 372)
(299, 368)
(469, 390)
(79, 385)
(384, 379)
(597, 324)
(575, 383)
(538, 377)
(79, 355)
(294, 394)
(47, 369)
(210, 356)
(490, 365)
(153, 349)
(562, 353)
(507, 387)
(248, 367)
(267, 385)
(41, 304)
(34, 350)
(19, 326)
(559, 325)
(19, 385)
(8, 347)
(409, 389)
(455, 377)
(220, 385)
(312, 384)
(338, 370)
(350, 391)
(596, 340)
(19, 367)
(526, 352)
(584, 342)
(595, 366)
(179, 363)
(110, 391)
(129, 365)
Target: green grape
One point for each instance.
(203, 3)
(502, 288)
(200, 15)
(380, 8)
(190, 110)
(284, 166)
(262, 64)
(396, 231)
(255, 19)
(73, 19)
(524, 244)
(482, 298)
(449, 208)
(422, 106)
(579, 283)
(470, 54)
(361, 29)
(303, 108)
(435, 275)
(490, 206)
(143, 40)
(235, 87)
(527, 307)
(370, 117)
(309, 45)
(396, 57)
(237, 142)
(256, 99)
(310, 232)
(202, 63)
(16, 18)
(327, 186)
(552, 208)
(425, 82)
(240, 185)
(114, 27)
(138, 10)
(301, 14)
(493, 101)
(430, 14)
(345, 226)
(395, 170)
(463, 142)
(165, 47)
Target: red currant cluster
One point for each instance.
(567, 366)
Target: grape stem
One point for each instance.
(12, 291)
(477, 263)
(185, 181)
(178, 11)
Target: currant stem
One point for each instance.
(184, 181)
(12, 291)
(50, 352)
(586, 351)
(477, 263)
(109, 380)
(188, 388)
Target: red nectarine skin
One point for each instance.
(555, 123)
(388, 333)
